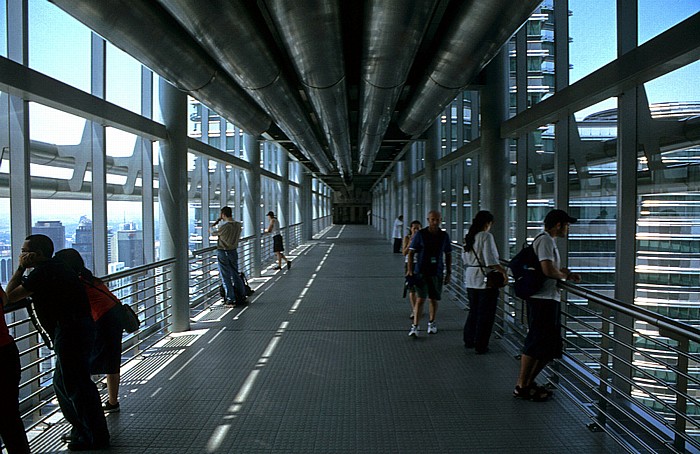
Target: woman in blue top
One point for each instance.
(480, 256)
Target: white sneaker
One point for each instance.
(432, 328)
(414, 331)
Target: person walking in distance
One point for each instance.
(12, 430)
(430, 271)
(277, 244)
(543, 342)
(397, 233)
(415, 226)
(228, 233)
(479, 257)
(105, 309)
(63, 310)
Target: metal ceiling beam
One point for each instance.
(673, 49)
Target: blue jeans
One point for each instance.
(230, 278)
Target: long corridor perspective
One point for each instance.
(320, 362)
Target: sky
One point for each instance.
(592, 29)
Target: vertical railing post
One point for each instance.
(680, 422)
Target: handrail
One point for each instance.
(643, 392)
(668, 324)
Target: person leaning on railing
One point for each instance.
(11, 427)
(543, 342)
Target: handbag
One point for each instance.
(494, 278)
(130, 320)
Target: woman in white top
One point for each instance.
(277, 244)
(480, 256)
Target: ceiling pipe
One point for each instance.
(226, 29)
(144, 31)
(475, 35)
(316, 52)
(393, 31)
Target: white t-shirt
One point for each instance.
(398, 228)
(546, 249)
(485, 246)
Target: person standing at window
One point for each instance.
(12, 430)
(480, 255)
(277, 243)
(63, 311)
(397, 233)
(543, 342)
(105, 309)
(228, 233)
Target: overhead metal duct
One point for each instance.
(143, 30)
(227, 31)
(393, 33)
(317, 54)
(475, 35)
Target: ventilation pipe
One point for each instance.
(146, 32)
(227, 30)
(316, 52)
(475, 35)
(393, 33)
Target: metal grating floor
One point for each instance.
(321, 362)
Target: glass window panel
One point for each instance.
(593, 196)
(3, 28)
(59, 46)
(123, 80)
(540, 53)
(59, 209)
(6, 268)
(657, 16)
(669, 198)
(593, 31)
(157, 112)
(124, 199)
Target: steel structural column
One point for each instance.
(408, 215)
(432, 151)
(284, 196)
(561, 128)
(100, 260)
(18, 126)
(627, 204)
(172, 194)
(251, 223)
(307, 217)
(522, 144)
(494, 168)
(147, 169)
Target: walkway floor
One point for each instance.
(321, 362)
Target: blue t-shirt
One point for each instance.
(430, 248)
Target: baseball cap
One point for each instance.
(557, 216)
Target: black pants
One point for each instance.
(482, 314)
(397, 245)
(11, 427)
(76, 393)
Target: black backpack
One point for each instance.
(527, 272)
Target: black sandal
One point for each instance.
(533, 392)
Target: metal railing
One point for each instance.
(146, 289)
(633, 372)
